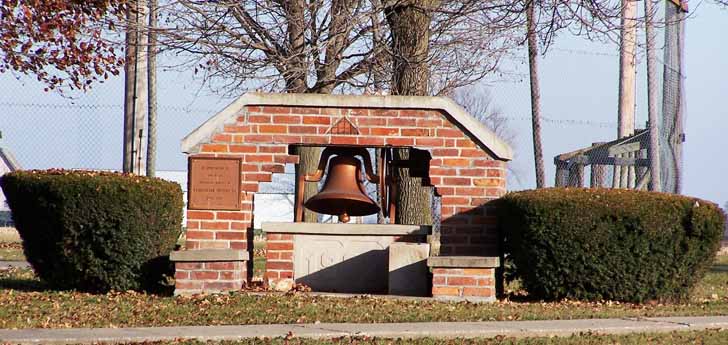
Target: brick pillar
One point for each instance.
(216, 256)
(461, 278)
(468, 224)
(209, 270)
(279, 260)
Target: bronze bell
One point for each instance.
(343, 192)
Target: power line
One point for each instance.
(570, 122)
(567, 122)
(95, 107)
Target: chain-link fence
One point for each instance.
(579, 90)
(84, 130)
(579, 126)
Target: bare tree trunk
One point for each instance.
(413, 200)
(152, 91)
(535, 96)
(295, 69)
(295, 76)
(409, 22)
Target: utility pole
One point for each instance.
(654, 122)
(673, 99)
(535, 94)
(627, 70)
(152, 89)
(135, 89)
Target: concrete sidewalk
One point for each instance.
(384, 330)
(13, 264)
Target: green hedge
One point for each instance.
(608, 244)
(95, 231)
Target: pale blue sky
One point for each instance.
(579, 85)
(579, 95)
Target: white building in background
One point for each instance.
(179, 177)
(7, 164)
(175, 176)
(274, 203)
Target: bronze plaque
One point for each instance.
(214, 183)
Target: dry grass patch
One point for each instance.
(8, 234)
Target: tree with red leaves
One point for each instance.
(59, 41)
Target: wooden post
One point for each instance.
(576, 175)
(632, 175)
(616, 175)
(598, 173)
(562, 174)
(298, 199)
(641, 170)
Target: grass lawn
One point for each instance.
(11, 248)
(259, 258)
(24, 303)
(8, 253)
(709, 337)
(8, 234)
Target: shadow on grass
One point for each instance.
(164, 288)
(21, 279)
(27, 285)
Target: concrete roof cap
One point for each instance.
(472, 127)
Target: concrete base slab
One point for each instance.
(341, 263)
(385, 330)
(209, 255)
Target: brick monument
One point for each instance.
(253, 138)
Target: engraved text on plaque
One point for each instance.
(214, 183)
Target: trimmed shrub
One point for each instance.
(609, 244)
(95, 231)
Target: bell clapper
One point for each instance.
(344, 218)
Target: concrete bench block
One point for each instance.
(408, 271)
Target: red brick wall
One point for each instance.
(462, 173)
(464, 283)
(279, 257)
(194, 277)
(220, 229)
(217, 230)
